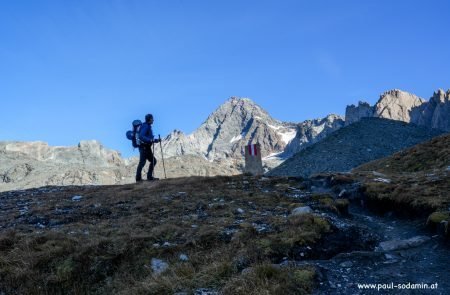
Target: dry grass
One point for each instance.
(105, 242)
(419, 179)
(427, 156)
(409, 194)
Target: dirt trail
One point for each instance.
(427, 261)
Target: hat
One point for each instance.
(148, 117)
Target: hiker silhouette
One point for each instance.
(147, 139)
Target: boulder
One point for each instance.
(301, 210)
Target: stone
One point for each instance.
(205, 291)
(301, 210)
(183, 257)
(394, 245)
(76, 198)
(385, 180)
(158, 266)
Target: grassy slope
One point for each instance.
(104, 243)
(430, 155)
(419, 179)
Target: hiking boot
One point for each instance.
(153, 178)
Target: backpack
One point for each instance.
(133, 135)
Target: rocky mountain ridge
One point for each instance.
(215, 148)
(353, 145)
(403, 106)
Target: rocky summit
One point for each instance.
(236, 123)
(403, 106)
(353, 145)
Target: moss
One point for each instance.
(321, 224)
(341, 179)
(318, 197)
(304, 277)
(327, 201)
(267, 272)
(65, 269)
(436, 218)
(342, 206)
(295, 205)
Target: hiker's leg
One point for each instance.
(142, 159)
(152, 161)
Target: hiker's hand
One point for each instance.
(157, 140)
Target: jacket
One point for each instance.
(146, 134)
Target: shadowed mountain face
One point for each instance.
(353, 145)
(403, 106)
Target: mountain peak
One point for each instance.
(403, 106)
(236, 99)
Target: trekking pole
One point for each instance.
(162, 156)
(153, 159)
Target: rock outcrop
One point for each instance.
(311, 131)
(436, 112)
(403, 106)
(398, 105)
(33, 164)
(355, 113)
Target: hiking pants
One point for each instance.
(145, 154)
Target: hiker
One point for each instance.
(146, 139)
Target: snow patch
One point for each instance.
(236, 138)
(272, 155)
(274, 127)
(318, 129)
(287, 136)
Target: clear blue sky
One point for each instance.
(74, 70)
